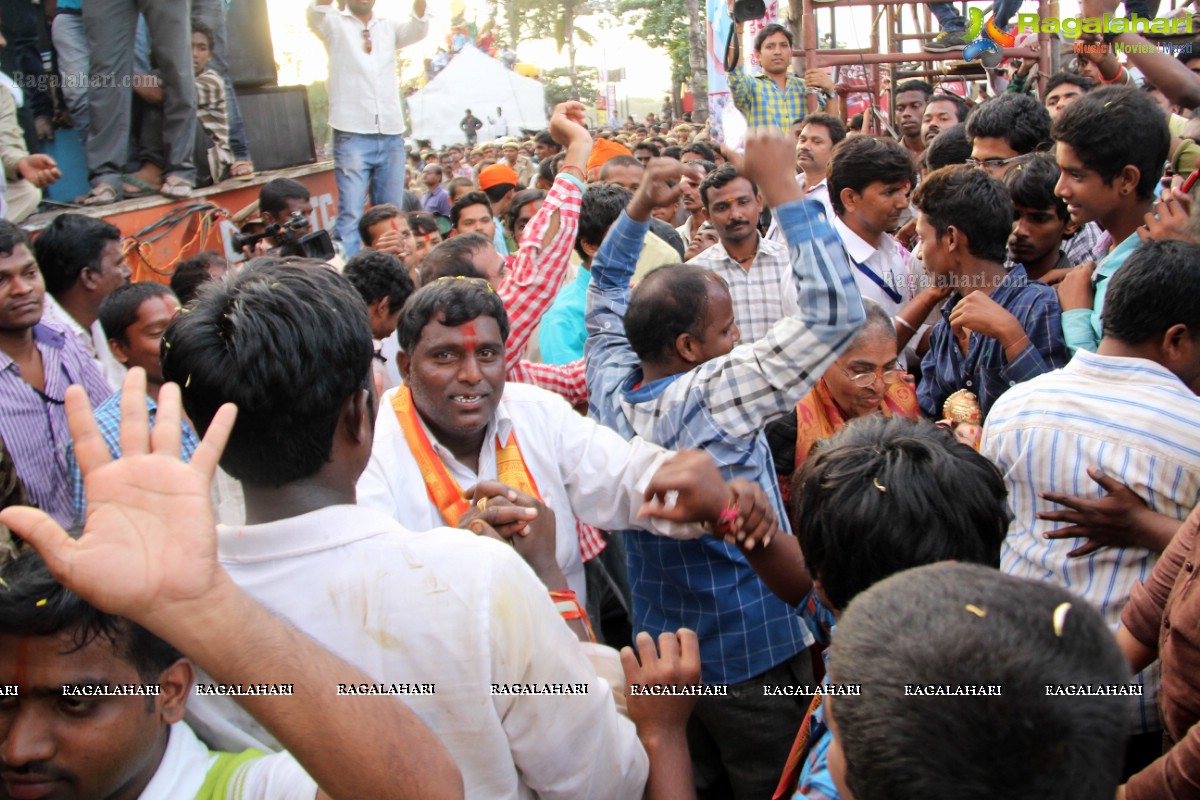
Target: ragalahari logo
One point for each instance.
(985, 47)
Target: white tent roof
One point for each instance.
(475, 81)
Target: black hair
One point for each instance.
(288, 341)
(274, 196)
(545, 138)
(373, 216)
(1031, 180)
(960, 106)
(120, 309)
(458, 301)
(720, 178)
(70, 244)
(1059, 78)
(434, 167)
(205, 31)
(496, 193)
(377, 276)
(856, 123)
(1018, 119)
(32, 603)
(602, 205)
(1114, 127)
(939, 500)
(965, 625)
(670, 300)
(190, 275)
(475, 198)
(948, 148)
(836, 128)
(519, 201)
(1152, 291)
(972, 201)
(422, 223)
(548, 167)
(646, 144)
(700, 149)
(11, 237)
(708, 166)
(454, 258)
(619, 161)
(771, 30)
(860, 161)
(676, 152)
(916, 86)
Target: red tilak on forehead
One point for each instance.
(469, 328)
(22, 661)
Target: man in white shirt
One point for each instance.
(95, 698)
(457, 422)
(365, 110)
(814, 147)
(1115, 437)
(499, 125)
(81, 261)
(290, 344)
(869, 182)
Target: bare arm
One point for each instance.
(148, 553)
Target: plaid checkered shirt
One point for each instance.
(763, 103)
(721, 407)
(528, 291)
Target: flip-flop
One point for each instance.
(242, 170)
(176, 188)
(143, 189)
(101, 195)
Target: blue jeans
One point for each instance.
(365, 162)
(1003, 12)
(948, 17)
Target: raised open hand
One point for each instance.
(149, 543)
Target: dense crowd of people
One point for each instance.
(619, 463)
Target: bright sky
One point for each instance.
(301, 58)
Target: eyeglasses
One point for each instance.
(366, 34)
(890, 375)
(990, 163)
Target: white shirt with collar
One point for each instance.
(364, 92)
(580, 468)
(187, 761)
(819, 192)
(889, 262)
(92, 339)
(447, 608)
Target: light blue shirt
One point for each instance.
(1083, 327)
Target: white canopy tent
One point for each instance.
(474, 80)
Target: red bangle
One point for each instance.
(1120, 73)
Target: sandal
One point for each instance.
(101, 195)
(241, 169)
(176, 188)
(143, 189)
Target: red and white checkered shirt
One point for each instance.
(530, 287)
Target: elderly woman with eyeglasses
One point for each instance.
(867, 379)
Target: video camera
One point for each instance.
(744, 10)
(290, 240)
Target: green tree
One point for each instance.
(664, 24)
(552, 19)
(558, 86)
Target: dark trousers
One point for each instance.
(741, 742)
(111, 27)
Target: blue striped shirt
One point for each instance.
(33, 424)
(721, 407)
(985, 369)
(1132, 419)
(108, 420)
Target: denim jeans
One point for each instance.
(365, 162)
(948, 17)
(70, 42)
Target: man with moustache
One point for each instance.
(911, 98)
(820, 134)
(942, 111)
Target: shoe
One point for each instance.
(945, 42)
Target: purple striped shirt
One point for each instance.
(34, 424)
